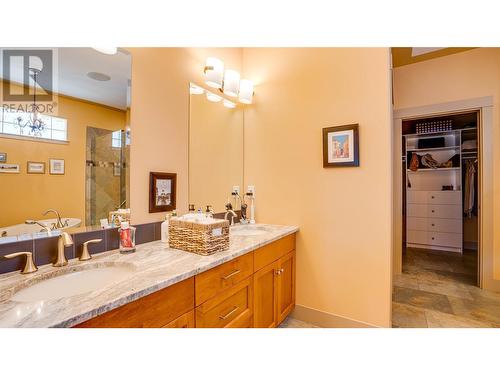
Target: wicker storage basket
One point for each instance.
(199, 238)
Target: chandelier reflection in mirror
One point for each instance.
(34, 123)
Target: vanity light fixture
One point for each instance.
(246, 91)
(231, 83)
(195, 90)
(214, 72)
(107, 50)
(213, 98)
(229, 104)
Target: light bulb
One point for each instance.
(213, 98)
(229, 104)
(195, 90)
(231, 83)
(214, 71)
(246, 91)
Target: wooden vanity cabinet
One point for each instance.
(254, 290)
(152, 311)
(274, 283)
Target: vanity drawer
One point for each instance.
(232, 308)
(153, 311)
(417, 237)
(183, 321)
(272, 252)
(417, 197)
(435, 224)
(208, 284)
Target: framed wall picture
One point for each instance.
(162, 188)
(56, 166)
(9, 168)
(3, 157)
(341, 146)
(36, 167)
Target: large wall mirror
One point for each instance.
(71, 160)
(215, 149)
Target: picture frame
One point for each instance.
(35, 167)
(9, 168)
(3, 157)
(341, 146)
(56, 166)
(162, 191)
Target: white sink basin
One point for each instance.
(247, 231)
(72, 284)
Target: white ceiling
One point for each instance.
(72, 66)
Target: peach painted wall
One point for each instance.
(29, 195)
(466, 75)
(160, 116)
(344, 214)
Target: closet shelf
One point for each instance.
(434, 149)
(433, 169)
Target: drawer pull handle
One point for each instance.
(433, 211)
(279, 271)
(224, 317)
(433, 224)
(433, 197)
(227, 277)
(433, 238)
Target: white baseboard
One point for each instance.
(326, 320)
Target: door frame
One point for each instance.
(485, 246)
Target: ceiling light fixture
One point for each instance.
(231, 83)
(214, 72)
(107, 50)
(246, 91)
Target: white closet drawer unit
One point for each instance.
(420, 237)
(417, 237)
(444, 211)
(444, 197)
(435, 224)
(417, 210)
(445, 239)
(417, 197)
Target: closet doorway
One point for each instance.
(440, 194)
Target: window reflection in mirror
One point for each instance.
(77, 164)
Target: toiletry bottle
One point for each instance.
(164, 229)
(127, 238)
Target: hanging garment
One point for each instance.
(470, 172)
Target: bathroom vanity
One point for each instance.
(250, 285)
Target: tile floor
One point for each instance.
(437, 289)
(295, 323)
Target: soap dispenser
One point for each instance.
(164, 228)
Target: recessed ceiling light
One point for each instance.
(107, 50)
(98, 76)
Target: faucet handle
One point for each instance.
(85, 252)
(29, 266)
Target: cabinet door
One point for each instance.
(266, 296)
(183, 321)
(286, 286)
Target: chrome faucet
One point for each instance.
(64, 241)
(229, 210)
(59, 223)
(31, 222)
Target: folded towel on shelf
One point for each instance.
(469, 145)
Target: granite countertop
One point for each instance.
(154, 266)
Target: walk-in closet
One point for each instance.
(440, 166)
